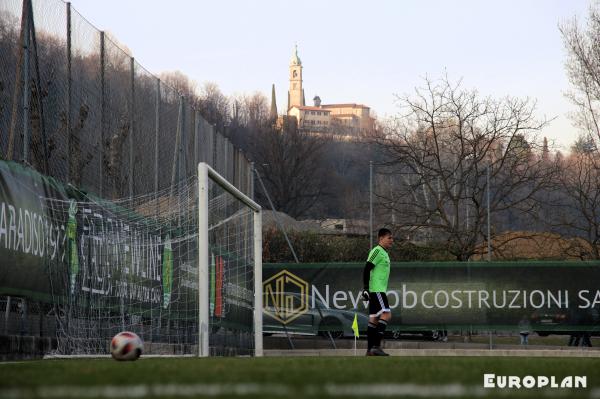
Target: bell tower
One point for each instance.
(295, 94)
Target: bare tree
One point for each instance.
(292, 165)
(214, 105)
(183, 84)
(576, 210)
(583, 71)
(439, 152)
(257, 109)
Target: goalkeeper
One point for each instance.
(375, 281)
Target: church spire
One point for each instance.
(295, 93)
(273, 113)
(295, 59)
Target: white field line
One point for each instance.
(278, 390)
(144, 356)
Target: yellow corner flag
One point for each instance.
(355, 326)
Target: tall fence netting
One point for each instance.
(129, 265)
(98, 122)
(231, 271)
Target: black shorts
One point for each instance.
(378, 304)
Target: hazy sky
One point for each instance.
(355, 51)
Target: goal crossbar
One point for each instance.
(205, 174)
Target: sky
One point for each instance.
(355, 51)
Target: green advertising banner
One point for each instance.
(545, 296)
(60, 245)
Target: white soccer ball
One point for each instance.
(126, 345)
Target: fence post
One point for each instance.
(176, 149)
(102, 110)
(250, 178)
(196, 138)
(156, 135)
(489, 242)
(226, 156)
(26, 88)
(213, 147)
(371, 203)
(69, 93)
(10, 152)
(181, 170)
(131, 127)
(37, 85)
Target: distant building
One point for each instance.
(356, 118)
(347, 120)
(346, 226)
(314, 119)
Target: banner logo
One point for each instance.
(285, 296)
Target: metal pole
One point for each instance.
(196, 136)
(37, 85)
(156, 136)
(489, 244)
(250, 176)
(181, 169)
(102, 109)
(177, 141)
(131, 127)
(392, 200)
(226, 157)
(467, 207)
(203, 289)
(371, 202)
(69, 93)
(18, 89)
(26, 88)
(258, 280)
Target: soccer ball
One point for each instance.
(126, 345)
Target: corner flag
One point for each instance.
(355, 326)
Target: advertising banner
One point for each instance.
(65, 247)
(544, 296)
(60, 245)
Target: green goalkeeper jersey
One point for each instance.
(381, 273)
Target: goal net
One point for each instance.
(230, 267)
(177, 267)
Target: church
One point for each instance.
(348, 120)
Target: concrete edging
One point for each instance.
(440, 352)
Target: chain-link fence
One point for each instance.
(77, 107)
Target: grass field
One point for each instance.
(289, 377)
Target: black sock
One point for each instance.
(381, 326)
(371, 335)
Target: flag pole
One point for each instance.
(355, 330)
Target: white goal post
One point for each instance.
(205, 175)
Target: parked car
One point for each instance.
(317, 320)
(561, 321)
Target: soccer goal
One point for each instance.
(230, 268)
(181, 267)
